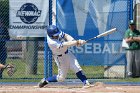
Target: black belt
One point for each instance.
(61, 54)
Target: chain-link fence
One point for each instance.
(28, 53)
(84, 19)
(28, 56)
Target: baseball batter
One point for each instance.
(59, 42)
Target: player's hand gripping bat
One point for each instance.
(103, 34)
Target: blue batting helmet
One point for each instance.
(52, 30)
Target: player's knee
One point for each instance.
(61, 78)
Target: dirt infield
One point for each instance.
(98, 87)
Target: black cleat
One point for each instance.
(42, 83)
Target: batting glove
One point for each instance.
(80, 42)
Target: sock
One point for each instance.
(52, 79)
(81, 76)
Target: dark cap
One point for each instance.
(131, 22)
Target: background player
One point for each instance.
(132, 37)
(59, 42)
(10, 69)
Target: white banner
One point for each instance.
(137, 1)
(28, 18)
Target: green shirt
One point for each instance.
(133, 45)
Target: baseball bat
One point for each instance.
(103, 34)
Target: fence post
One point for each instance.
(45, 58)
(50, 23)
(131, 10)
(31, 56)
(47, 52)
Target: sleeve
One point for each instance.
(138, 33)
(69, 41)
(62, 35)
(54, 44)
(126, 34)
(68, 37)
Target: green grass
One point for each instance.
(90, 71)
(125, 80)
(21, 76)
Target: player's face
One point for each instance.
(132, 27)
(55, 37)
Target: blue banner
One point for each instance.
(85, 19)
